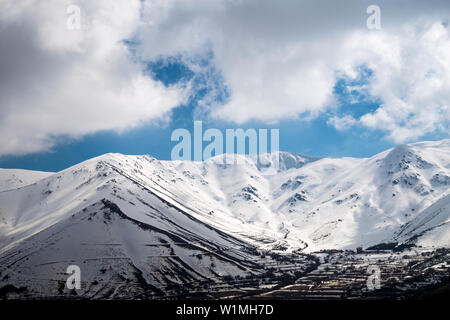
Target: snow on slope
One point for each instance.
(113, 217)
(310, 203)
(15, 178)
(369, 200)
(212, 206)
(430, 228)
(122, 257)
(325, 203)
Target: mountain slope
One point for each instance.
(312, 205)
(15, 178)
(368, 201)
(430, 228)
(159, 224)
(113, 217)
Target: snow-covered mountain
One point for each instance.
(163, 222)
(430, 228)
(15, 178)
(136, 226)
(365, 201)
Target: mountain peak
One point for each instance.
(404, 157)
(266, 161)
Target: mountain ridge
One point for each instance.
(160, 224)
(395, 168)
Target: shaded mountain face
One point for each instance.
(159, 224)
(121, 257)
(431, 228)
(118, 219)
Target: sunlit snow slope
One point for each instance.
(166, 221)
(15, 178)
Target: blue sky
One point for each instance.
(308, 137)
(133, 72)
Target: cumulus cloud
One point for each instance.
(412, 80)
(277, 59)
(280, 59)
(61, 82)
(342, 123)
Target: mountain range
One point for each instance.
(152, 224)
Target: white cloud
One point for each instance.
(413, 83)
(280, 59)
(342, 123)
(56, 81)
